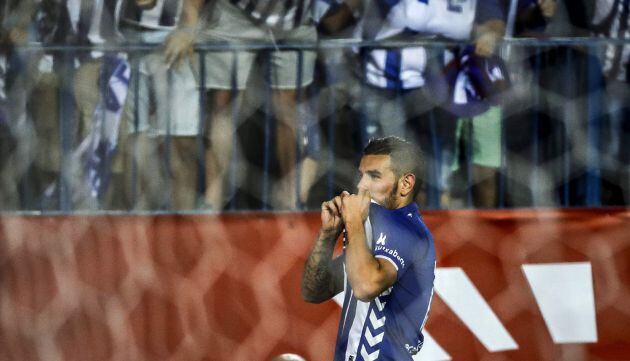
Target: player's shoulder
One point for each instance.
(404, 222)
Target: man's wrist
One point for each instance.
(353, 222)
(329, 235)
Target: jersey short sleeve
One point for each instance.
(394, 249)
(393, 241)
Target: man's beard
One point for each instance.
(390, 201)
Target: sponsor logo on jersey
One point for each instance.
(391, 252)
(414, 349)
(381, 239)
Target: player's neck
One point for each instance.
(399, 202)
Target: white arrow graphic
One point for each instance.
(564, 292)
(379, 304)
(461, 295)
(369, 356)
(371, 339)
(376, 322)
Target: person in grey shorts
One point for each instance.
(233, 22)
(162, 113)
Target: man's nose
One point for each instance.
(362, 185)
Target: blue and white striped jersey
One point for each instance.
(279, 14)
(383, 19)
(163, 16)
(612, 20)
(390, 326)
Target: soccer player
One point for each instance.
(388, 263)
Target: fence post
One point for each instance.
(267, 131)
(595, 111)
(235, 122)
(201, 129)
(67, 126)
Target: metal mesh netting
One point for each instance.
(122, 179)
(226, 286)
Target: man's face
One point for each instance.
(377, 177)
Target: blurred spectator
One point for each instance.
(530, 128)
(558, 140)
(93, 23)
(610, 19)
(52, 28)
(478, 141)
(238, 22)
(162, 113)
(477, 88)
(484, 136)
(35, 78)
(333, 80)
(398, 93)
(16, 129)
(98, 83)
(8, 175)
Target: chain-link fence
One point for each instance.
(88, 130)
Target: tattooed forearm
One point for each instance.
(318, 278)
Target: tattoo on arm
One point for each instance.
(323, 276)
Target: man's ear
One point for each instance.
(406, 184)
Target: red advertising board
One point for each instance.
(228, 287)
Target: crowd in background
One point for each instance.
(105, 105)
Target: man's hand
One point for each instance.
(486, 44)
(323, 277)
(547, 7)
(332, 221)
(355, 207)
(178, 46)
(487, 35)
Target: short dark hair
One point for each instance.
(405, 156)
